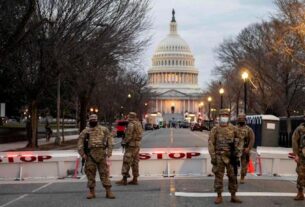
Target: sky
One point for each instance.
(204, 24)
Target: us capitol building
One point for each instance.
(173, 79)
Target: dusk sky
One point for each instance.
(204, 24)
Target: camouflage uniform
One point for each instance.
(219, 140)
(132, 141)
(246, 135)
(299, 149)
(133, 136)
(100, 145)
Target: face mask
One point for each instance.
(223, 120)
(92, 124)
(241, 123)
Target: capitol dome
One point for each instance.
(173, 61)
(173, 78)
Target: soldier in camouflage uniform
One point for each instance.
(100, 147)
(247, 136)
(132, 142)
(221, 137)
(298, 146)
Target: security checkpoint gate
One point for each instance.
(36, 164)
(55, 164)
(274, 161)
(160, 162)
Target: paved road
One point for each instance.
(172, 137)
(171, 192)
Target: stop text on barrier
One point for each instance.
(25, 158)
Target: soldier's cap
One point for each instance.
(224, 112)
(93, 117)
(241, 117)
(132, 115)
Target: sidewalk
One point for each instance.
(42, 141)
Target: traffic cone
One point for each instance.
(251, 167)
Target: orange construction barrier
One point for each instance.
(251, 167)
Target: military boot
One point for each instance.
(234, 199)
(218, 199)
(109, 193)
(300, 195)
(91, 193)
(122, 182)
(242, 179)
(134, 181)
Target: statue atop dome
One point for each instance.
(173, 17)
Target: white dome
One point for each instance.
(173, 43)
(173, 64)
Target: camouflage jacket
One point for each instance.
(246, 135)
(99, 137)
(133, 134)
(298, 137)
(220, 138)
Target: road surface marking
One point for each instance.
(17, 199)
(42, 187)
(172, 190)
(226, 194)
(25, 195)
(172, 136)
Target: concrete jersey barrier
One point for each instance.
(154, 162)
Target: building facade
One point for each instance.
(173, 78)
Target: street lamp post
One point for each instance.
(221, 92)
(209, 113)
(245, 77)
(129, 101)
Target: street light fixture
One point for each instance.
(245, 77)
(129, 101)
(93, 110)
(221, 92)
(209, 114)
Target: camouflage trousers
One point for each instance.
(244, 164)
(301, 173)
(99, 164)
(219, 171)
(131, 160)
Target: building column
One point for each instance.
(156, 105)
(188, 105)
(161, 106)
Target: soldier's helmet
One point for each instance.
(93, 117)
(132, 116)
(241, 118)
(224, 112)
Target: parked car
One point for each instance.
(148, 126)
(184, 124)
(197, 127)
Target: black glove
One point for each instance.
(238, 163)
(214, 161)
(123, 144)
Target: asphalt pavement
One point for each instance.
(172, 137)
(262, 192)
